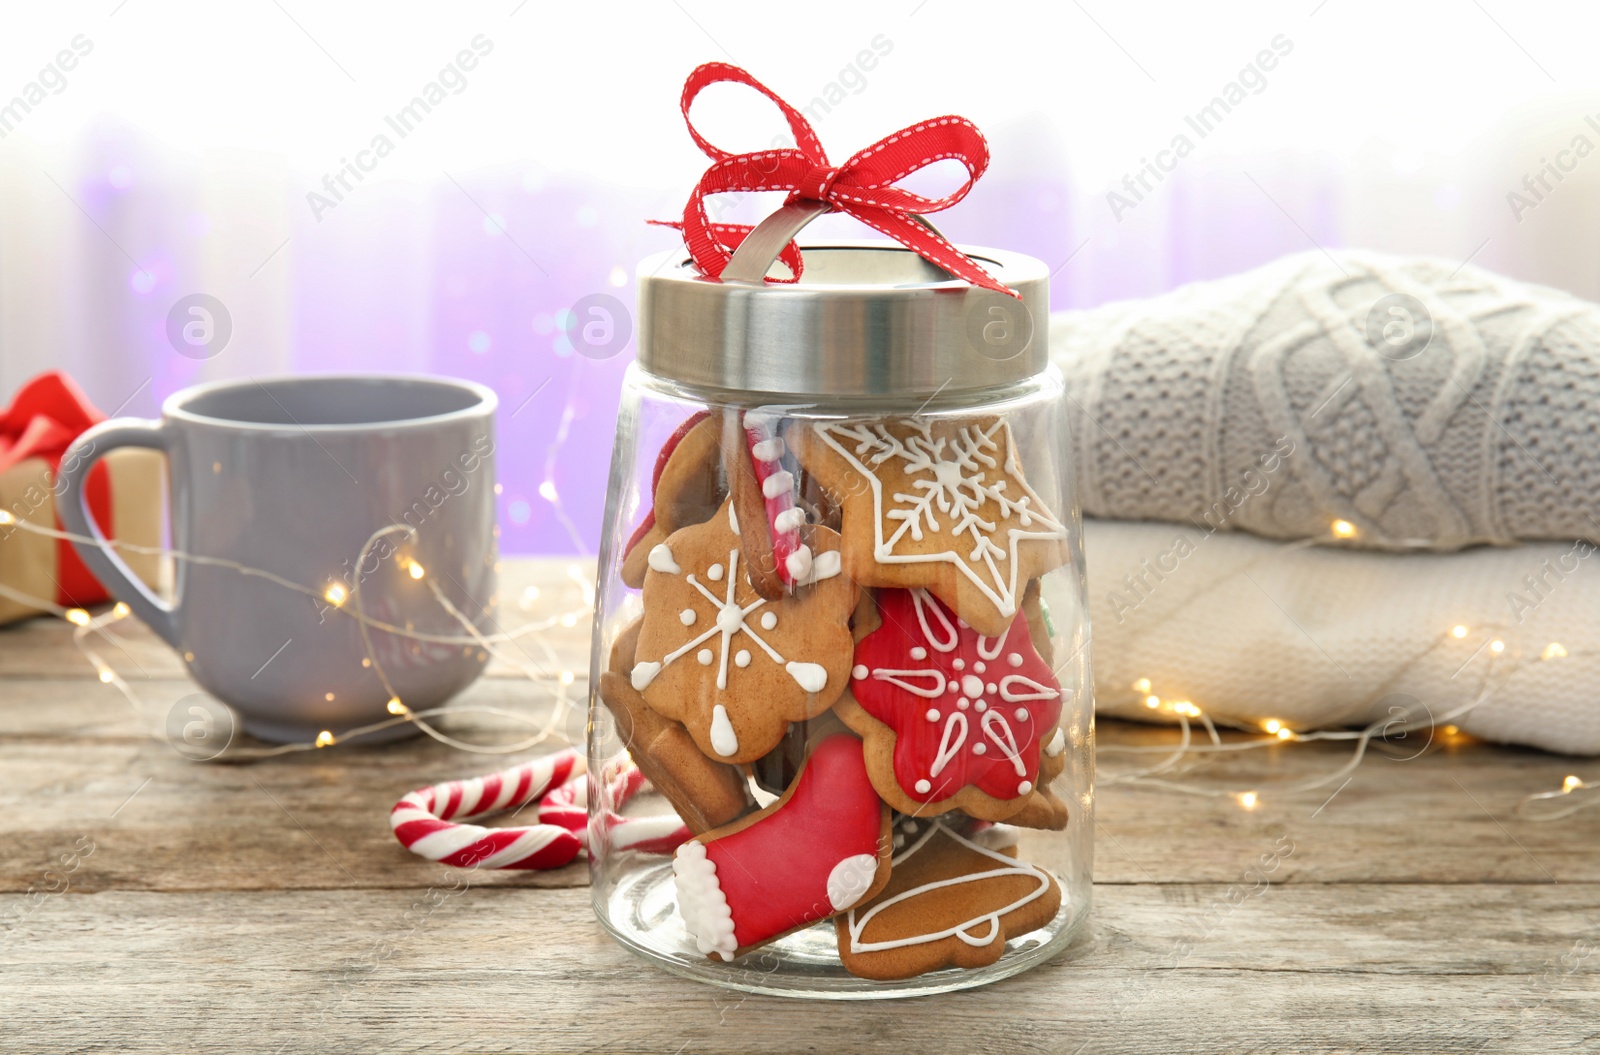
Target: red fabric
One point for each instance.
(45, 416)
(863, 186)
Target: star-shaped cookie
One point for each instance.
(936, 503)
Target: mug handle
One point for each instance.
(73, 508)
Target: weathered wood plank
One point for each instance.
(1292, 969)
(199, 826)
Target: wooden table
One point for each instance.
(266, 907)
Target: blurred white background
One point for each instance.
(176, 156)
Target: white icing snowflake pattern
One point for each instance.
(959, 487)
(728, 620)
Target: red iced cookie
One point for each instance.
(966, 713)
(819, 850)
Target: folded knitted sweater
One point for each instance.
(1429, 404)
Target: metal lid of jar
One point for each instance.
(866, 318)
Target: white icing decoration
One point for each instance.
(980, 749)
(798, 563)
(990, 688)
(923, 605)
(644, 674)
(769, 620)
(768, 450)
(923, 787)
(933, 714)
(955, 485)
(661, 559)
(686, 617)
(952, 686)
(918, 652)
(779, 483)
(979, 667)
(899, 679)
(963, 703)
(998, 730)
(1022, 714)
(971, 686)
(859, 671)
(701, 903)
(850, 879)
(1057, 744)
(704, 656)
(1015, 659)
(809, 676)
(723, 739)
(1038, 692)
(741, 658)
(982, 705)
(733, 519)
(950, 741)
(1024, 787)
(966, 931)
(790, 519)
(989, 647)
(959, 664)
(824, 565)
(730, 620)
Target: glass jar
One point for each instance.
(841, 629)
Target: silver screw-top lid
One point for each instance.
(865, 319)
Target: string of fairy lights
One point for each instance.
(347, 600)
(1573, 795)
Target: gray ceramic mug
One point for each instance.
(292, 476)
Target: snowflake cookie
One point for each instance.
(954, 719)
(936, 503)
(730, 665)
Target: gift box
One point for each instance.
(124, 493)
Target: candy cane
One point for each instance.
(422, 821)
(428, 821)
(784, 517)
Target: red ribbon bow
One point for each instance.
(44, 417)
(863, 186)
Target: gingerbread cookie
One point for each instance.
(953, 900)
(822, 848)
(705, 793)
(686, 488)
(730, 665)
(936, 503)
(953, 719)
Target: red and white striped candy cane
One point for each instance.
(428, 821)
(568, 806)
(784, 517)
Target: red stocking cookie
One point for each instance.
(938, 504)
(952, 719)
(730, 665)
(821, 848)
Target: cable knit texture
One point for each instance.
(1488, 433)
